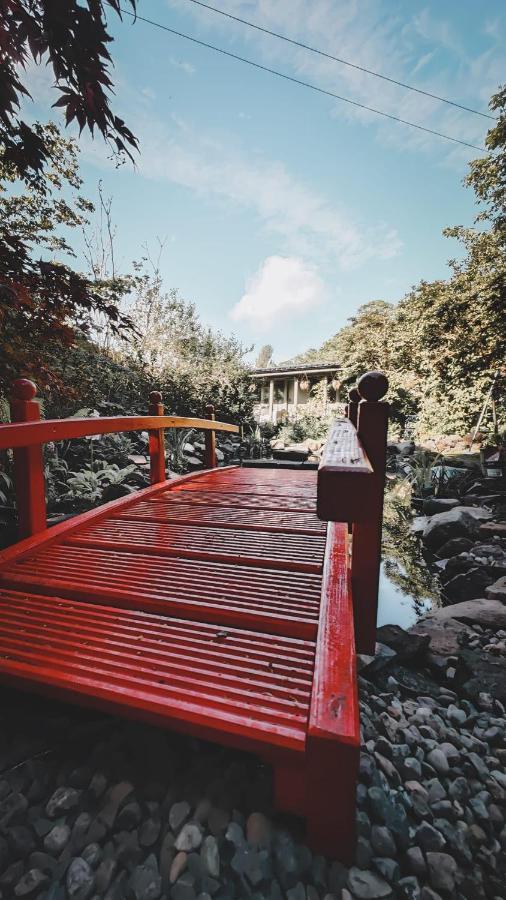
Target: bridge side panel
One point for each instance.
(333, 742)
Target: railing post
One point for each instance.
(28, 463)
(210, 441)
(156, 441)
(366, 547)
(352, 405)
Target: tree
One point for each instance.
(73, 37)
(44, 303)
(264, 358)
(487, 176)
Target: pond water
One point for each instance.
(408, 588)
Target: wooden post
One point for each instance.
(366, 548)
(28, 463)
(210, 441)
(271, 400)
(156, 441)
(352, 405)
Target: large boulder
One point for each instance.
(407, 645)
(462, 521)
(497, 590)
(434, 505)
(489, 613)
(468, 585)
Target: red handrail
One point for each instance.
(27, 433)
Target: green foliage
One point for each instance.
(487, 176)
(72, 38)
(441, 345)
(44, 302)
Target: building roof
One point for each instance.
(322, 368)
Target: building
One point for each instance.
(283, 391)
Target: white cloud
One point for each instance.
(304, 221)
(283, 287)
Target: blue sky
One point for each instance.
(282, 210)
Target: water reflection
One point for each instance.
(408, 588)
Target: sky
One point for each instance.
(282, 210)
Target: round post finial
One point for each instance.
(155, 397)
(373, 386)
(353, 395)
(23, 389)
(209, 409)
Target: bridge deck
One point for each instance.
(218, 604)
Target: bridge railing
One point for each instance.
(351, 482)
(27, 432)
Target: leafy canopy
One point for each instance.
(72, 35)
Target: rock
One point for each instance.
(105, 873)
(178, 814)
(438, 761)
(497, 590)
(210, 856)
(453, 547)
(409, 888)
(149, 832)
(129, 816)
(468, 585)
(429, 838)
(189, 838)
(57, 839)
(435, 505)
(115, 798)
(258, 829)
(32, 882)
(462, 521)
(80, 880)
(178, 866)
(21, 841)
(415, 862)
(407, 645)
(493, 529)
(63, 799)
(442, 871)
(366, 885)
(382, 841)
(145, 882)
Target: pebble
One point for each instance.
(57, 839)
(442, 871)
(63, 799)
(437, 759)
(80, 879)
(178, 814)
(367, 885)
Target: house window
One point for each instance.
(279, 391)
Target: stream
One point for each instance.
(408, 589)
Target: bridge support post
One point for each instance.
(156, 441)
(372, 427)
(28, 463)
(210, 461)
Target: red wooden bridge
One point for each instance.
(225, 603)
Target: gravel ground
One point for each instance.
(92, 806)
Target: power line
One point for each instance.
(306, 84)
(344, 62)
